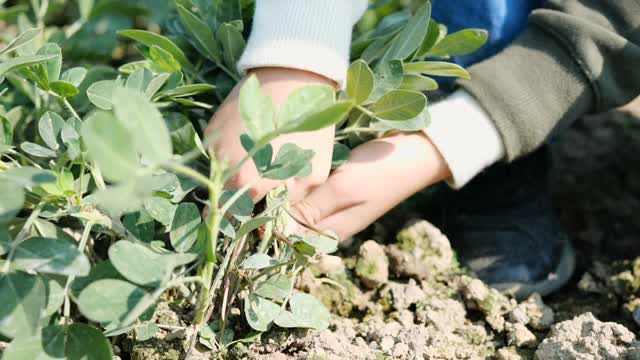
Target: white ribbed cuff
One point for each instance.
(465, 136)
(311, 35)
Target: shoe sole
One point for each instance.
(554, 281)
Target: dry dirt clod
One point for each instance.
(489, 301)
(401, 296)
(587, 338)
(372, 266)
(421, 251)
(519, 315)
(541, 316)
(328, 264)
(507, 354)
(520, 336)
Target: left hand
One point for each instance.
(379, 175)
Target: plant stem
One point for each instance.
(21, 235)
(366, 111)
(191, 173)
(70, 108)
(81, 246)
(357, 130)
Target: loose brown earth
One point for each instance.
(405, 297)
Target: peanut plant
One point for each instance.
(104, 174)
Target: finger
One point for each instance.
(379, 175)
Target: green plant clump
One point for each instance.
(104, 172)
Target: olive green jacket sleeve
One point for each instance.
(575, 57)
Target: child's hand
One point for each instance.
(277, 83)
(379, 175)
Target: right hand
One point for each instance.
(277, 83)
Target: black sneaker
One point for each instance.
(504, 229)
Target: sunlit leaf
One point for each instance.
(52, 256)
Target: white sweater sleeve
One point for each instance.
(465, 136)
(312, 35)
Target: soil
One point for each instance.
(404, 296)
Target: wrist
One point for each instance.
(290, 75)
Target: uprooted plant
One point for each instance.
(103, 177)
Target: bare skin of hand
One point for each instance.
(379, 175)
(277, 83)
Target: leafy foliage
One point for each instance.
(103, 169)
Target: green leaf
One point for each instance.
(260, 312)
(109, 300)
(77, 341)
(143, 120)
(303, 102)
(156, 84)
(460, 43)
(101, 270)
(256, 109)
(388, 76)
(22, 39)
(184, 137)
(161, 209)
(436, 68)
(360, 82)
(37, 150)
(322, 244)
(140, 224)
(411, 36)
(377, 49)
(87, 342)
(144, 266)
(258, 262)
(53, 66)
(306, 312)
(291, 161)
(232, 44)
(85, 7)
(49, 127)
(163, 59)
(55, 298)
(146, 331)
(242, 208)
(262, 157)
(201, 32)
(184, 229)
(341, 155)
(227, 10)
(433, 36)
(63, 89)
(51, 256)
(398, 105)
(28, 176)
(418, 83)
(71, 138)
(253, 224)
(5, 240)
(22, 62)
(23, 298)
(139, 80)
(321, 119)
(6, 131)
(150, 39)
(101, 94)
(185, 91)
(277, 287)
(110, 145)
(418, 123)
